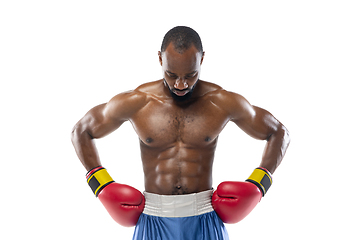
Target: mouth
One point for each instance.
(181, 93)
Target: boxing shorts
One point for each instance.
(179, 217)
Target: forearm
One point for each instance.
(275, 149)
(85, 147)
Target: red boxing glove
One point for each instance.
(233, 201)
(123, 203)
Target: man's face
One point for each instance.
(181, 71)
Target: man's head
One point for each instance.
(181, 57)
(182, 37)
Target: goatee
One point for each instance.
(181, 98)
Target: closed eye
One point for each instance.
(170, 74)
(191, 75)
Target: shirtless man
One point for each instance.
(178, 120)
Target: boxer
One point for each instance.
(178, 120)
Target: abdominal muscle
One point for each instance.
(177, 169)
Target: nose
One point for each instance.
(181, 84)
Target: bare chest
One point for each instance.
(162, 124)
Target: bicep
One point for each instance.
(255, 121)
(106, 118)
(258, 123)
(97, 123)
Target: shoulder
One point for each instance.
(137, 97)
(131, 99)
(204, 88)
(151, 89)
(124, 105)
(219, 95)
(233, 103)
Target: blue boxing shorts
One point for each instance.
(179, 217)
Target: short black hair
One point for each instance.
(182, 37)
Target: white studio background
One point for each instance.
(297, 59)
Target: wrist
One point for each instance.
(262, 178)
(98, 178)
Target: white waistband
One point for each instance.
(178, 205)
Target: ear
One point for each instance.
(202, 58)
(160, 58)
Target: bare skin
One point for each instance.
(178, 139)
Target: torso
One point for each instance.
(178, 141)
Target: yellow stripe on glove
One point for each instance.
(262, 179)
(98, 180)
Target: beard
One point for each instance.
(181, 98)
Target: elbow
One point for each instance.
(281, 133)
(286, 135)
(79, 133)
(285, 140)
(74, 133)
